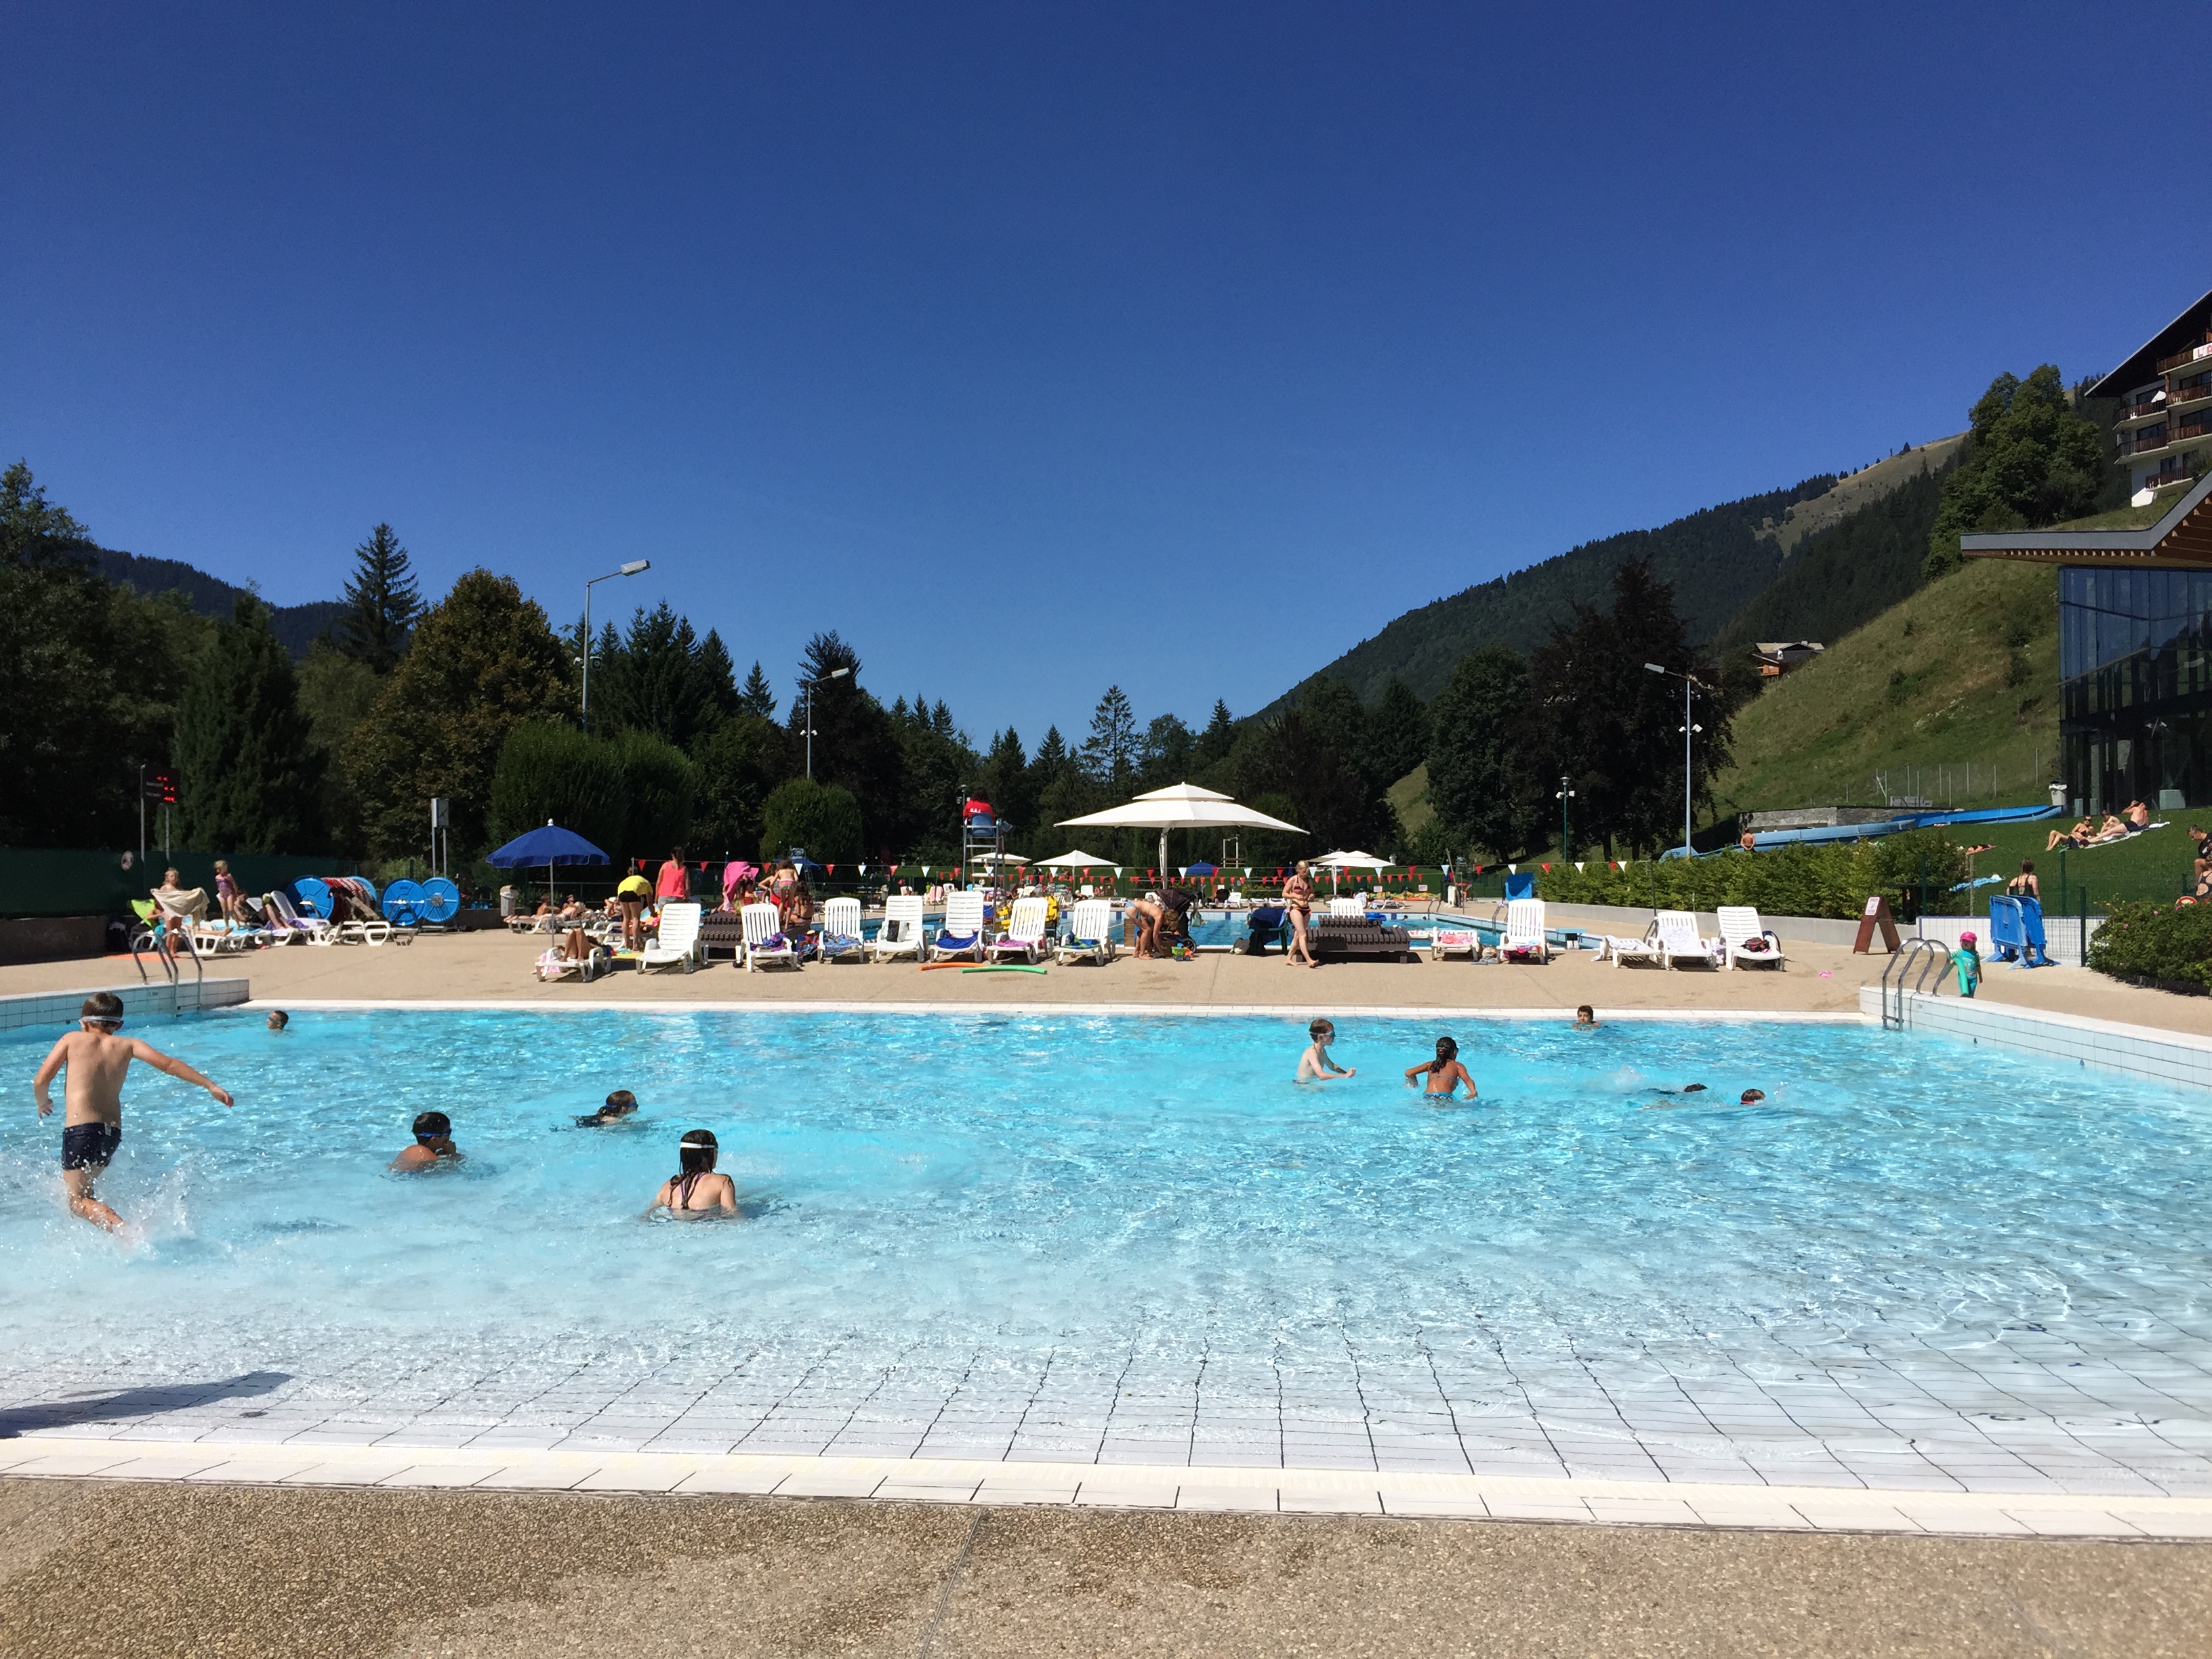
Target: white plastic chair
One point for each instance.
(1679, 940)
(902, 933)
(765, 945)
(1025, 932)
(841, 931)
(1523, 932)
(1744, 939)
(1089, 934)
(962, 935)
(677, 945)
(1348, 905)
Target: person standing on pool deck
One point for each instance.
(1298, 901)
(433, 1144)
(631, 895)
(1315, 1065)
(1444, 1072)
(91, 1119)
(1968, 961)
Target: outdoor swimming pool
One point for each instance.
(1135, 1237)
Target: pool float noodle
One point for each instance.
(1008, 968)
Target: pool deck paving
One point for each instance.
(1923, 1472)
(494, 968)
(126, 1569)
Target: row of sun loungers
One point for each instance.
(1673, 941)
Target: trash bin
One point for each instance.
(2058, 796)
(506, 902)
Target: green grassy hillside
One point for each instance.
(1964, 671)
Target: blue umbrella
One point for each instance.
(1202, 868)
(551, 846)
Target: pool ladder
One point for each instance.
(144, 940)
(1917, 959)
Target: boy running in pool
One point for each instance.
(92, 1120)
(1315, 1065)
(1444, 1072)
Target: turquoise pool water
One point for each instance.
(1070, 1183)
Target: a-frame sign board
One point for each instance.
(1876, 915)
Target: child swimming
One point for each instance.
(434, 1144)
(695, 1188)
(1315, 1065)
(1444, 1072)
(1585, 1018)
(620, 1104)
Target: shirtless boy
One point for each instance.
(1315, 1065)
(92, 1121)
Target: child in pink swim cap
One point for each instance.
(1968, 962)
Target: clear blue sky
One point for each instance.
(1035, 348)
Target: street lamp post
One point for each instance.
(834, 674)
(1688, 732)
(1565, 795)
(630, 570)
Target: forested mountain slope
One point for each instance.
(296, 625)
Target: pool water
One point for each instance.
(1073, 1190)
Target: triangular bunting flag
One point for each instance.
(1578, 866)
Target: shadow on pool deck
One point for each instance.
(16, 1420)
(163, 1569)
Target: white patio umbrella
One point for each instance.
(1078, 860)
(1180, 806)
(998, 858)
(1337, 863)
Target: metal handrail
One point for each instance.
(1930, 955)
(143, 939)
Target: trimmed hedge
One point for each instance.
(2141, 940)
(1824, 878)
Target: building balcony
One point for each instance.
(2189, 392)
(2193, 354)
(2150, 408)
(2149, 440)
(2195, 427)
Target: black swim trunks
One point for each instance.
(90, 1146)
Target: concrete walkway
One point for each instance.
(123, 1570)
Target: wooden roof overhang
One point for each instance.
(2182, 540)
(2141, 366)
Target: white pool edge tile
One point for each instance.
(1211, 1489)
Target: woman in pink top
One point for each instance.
(673, 885)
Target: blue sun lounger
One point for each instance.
(2016, 931)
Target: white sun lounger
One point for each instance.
(765, 945)
(1456, 942)
(962, 935)
(313, 929)
(1025, 932)
(1679, 940)
(841, 931)
(1745, 939)
(1626, 950)
(1523, 933)
(1348, 905)
(677, 945)
(1089, 934)
(902, 933)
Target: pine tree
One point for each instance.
(1471, 781)
(1218, 738)
(1110, 752)
(249, 772)
(717, 676)
(758, 697)
(381, 601)
(1398, 730)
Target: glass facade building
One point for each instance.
(2135, 665)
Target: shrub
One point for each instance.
(548, 769)
(2155, 941)
(1822, 878)
(823, 818)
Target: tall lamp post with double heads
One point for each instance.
(834, 674)
(1565, 795)
(1688, 732)
(630, 570)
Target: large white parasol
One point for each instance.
(1078, 860)
(1180, 806)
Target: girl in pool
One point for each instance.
(695, 1189)
(1444, 1072)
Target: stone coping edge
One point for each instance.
(1246, 1490)
(1177, 1010)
